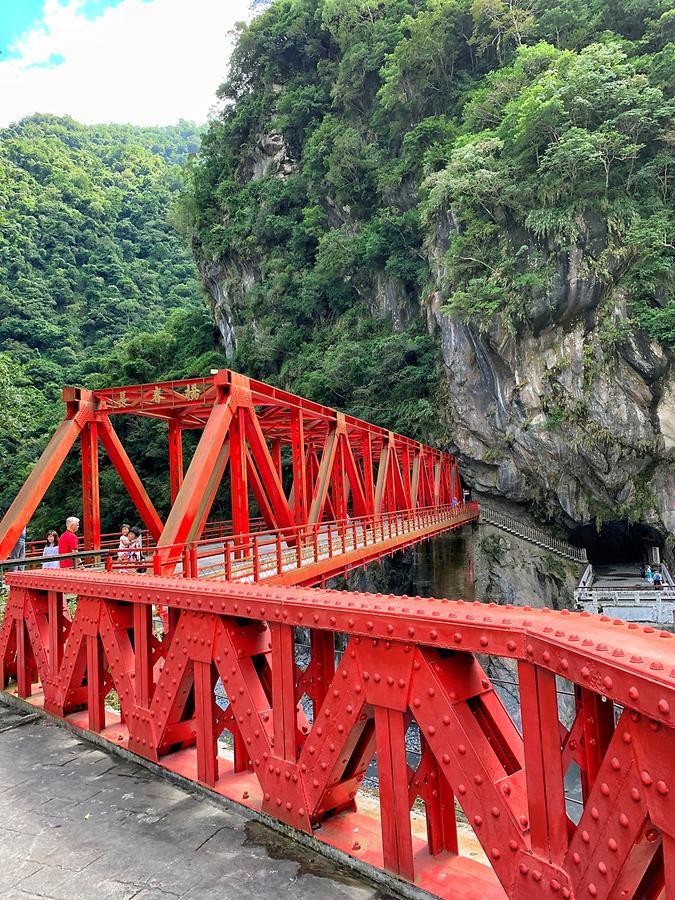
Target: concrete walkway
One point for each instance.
(76, 822)
(620, 578)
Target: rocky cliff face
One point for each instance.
(570, 411)
(569, 414)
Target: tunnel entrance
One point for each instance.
(618, 542)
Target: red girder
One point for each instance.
(408, 660)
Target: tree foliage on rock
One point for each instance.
(521, 128)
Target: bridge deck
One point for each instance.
(61, 795)
(57, 802)
(319, 553)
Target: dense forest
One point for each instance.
(538, 114)
(96, 286)
(499, 172)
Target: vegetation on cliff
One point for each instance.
(520, 129)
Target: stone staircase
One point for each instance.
(535, 536)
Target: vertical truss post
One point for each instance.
(668, 864)
(143, 653)
(392, 773)
(389, 503)
(455, 483)
(91, 504)
(241, 755)
(430, 477)
(207, 741)
(440, 810)
(368, 482)
(239, 479)
(598, 728)
(95, 686)
(339, 485)
(24, 676)
(437, 482)
(276, 457)
(299, 468)
(382, 476)
(415, 479)
(175, 458)
(284, 712)
(405, 473)
(543, 762)
(55, 618)
(323, 655)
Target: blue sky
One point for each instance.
(148, 62)
(16, 17)
(19, 16)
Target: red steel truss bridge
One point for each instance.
(313, 492)
(596, 695)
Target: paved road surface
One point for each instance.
(76, 822)
(620, 578)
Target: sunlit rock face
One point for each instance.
(552, 415)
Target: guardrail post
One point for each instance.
(256, 559)
(280, 566)
(395, 810)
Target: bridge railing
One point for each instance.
(273, 552)
(596, 696)
(586, 579)
(264, 553)
(529, 533)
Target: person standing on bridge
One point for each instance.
(125, 542)
(51, 548)
(136, 547)
(68, 542)
(19, 551)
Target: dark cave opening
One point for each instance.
(618, 542)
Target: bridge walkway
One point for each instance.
(536, 536)
(619, 590)
(309, 555)
(61, 795)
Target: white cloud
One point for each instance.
(147, 62)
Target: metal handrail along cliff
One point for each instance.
(534, 535)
